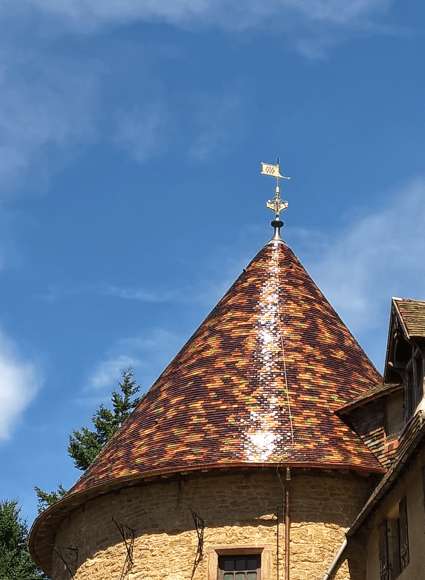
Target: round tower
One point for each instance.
(235, 464)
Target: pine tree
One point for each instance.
(47, 498)
(85, 444)
(15, 561)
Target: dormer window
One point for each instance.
(410, 391)
(414, 383)
(419, 376)
(394, 542)
(406, 351)
(393, 414)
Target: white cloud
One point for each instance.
(147, 354)
(19, 383)
(379, 255)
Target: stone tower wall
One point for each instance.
(239, 510)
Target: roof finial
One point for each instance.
(277, 205)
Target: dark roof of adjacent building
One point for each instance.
(374, 393)
(407, 315)
(258, 384)
(412, 436)
(412, 315)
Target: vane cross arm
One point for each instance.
(277, 204)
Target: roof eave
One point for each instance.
(366, 399)
(394, 311)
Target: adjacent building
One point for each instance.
(391, 526)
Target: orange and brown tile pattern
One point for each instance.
(257, 384)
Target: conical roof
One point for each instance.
(257, 384)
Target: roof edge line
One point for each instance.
(400, 318)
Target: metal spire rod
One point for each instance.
(277, 205)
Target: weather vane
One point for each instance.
(277, 205)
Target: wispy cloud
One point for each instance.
(51, 104)
(335, 11)
(202, 292)
(205, 125)
(44, 104)
(359, 267)
(218, 123)
(141, 131)
(311, 26)
(379, 255)
(108, 371)
(147, 354)
(183, 12)
(20, 380)
(56, 292)
(143, 295)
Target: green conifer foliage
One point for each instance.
(85, 444)
(46, 498)
(15, 561)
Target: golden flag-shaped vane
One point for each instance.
(270, 169)
(273, 170)
(277, 205)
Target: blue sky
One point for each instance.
(130, 197)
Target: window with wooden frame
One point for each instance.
(235, 567)
(394, 542)
(410, 391)
(414, 383)
(241, 562)
(423, 484)
(393, 415)
(384, 560)
(404, 535)
(419, 378)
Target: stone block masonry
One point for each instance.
(240, 512)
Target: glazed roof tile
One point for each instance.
(225, 400)
(258, 384)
